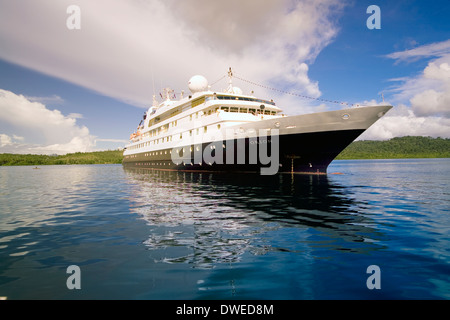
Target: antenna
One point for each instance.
(230, 81)
(153, 83)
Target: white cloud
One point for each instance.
(75, 116)
(46, 100)
(434, 99)
(41, 130)
(423, 100)
(81, 143)
(8, 141)
(428, 93)
(435, 49)
(438, 70)
(123, 45)
(431, 102)
(401, 121)
(18, 138)
(5, 140)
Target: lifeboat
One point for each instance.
(135, 135)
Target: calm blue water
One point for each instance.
(174, 235)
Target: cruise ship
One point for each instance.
(230, 131)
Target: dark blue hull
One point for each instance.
(297, 153)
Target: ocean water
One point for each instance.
(185, 236)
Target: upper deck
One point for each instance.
(170, 109)
(199, 115)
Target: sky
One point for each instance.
(79, 79)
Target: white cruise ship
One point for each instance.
(230, 131)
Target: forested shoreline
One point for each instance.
(396, 148)
(97, 157)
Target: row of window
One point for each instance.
(164, 128)
(209, 112)
(248, 110)
(223, 97)
(166, 163)
(170, 138)
(179, 151)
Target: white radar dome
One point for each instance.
(197, 84)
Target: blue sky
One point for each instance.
(64, 90)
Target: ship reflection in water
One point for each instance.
(208, 218)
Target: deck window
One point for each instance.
(198, 101)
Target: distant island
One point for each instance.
(396, 148)
(97, 157)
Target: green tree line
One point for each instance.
(404, 147)
(98, 157)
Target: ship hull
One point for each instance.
(308, 153)
(298, 144)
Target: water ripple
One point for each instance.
(155, 234)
